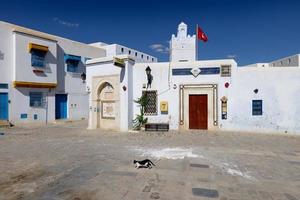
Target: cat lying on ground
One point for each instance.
(143, 164)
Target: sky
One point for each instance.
(249, 31)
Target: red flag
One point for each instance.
(201, 35)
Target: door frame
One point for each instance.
(66, 95)
(211, 90)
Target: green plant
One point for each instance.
(140, 120)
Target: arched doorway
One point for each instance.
(106, 106)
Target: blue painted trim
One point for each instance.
(182, 71)
(72, 57)
(23, 116)
(204, 71)
(3, 86)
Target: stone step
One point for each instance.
(4, 123)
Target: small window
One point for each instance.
(226, 71)
(36, 99)
(129, 52)
(72, 65)
(122, 49)
(289, 61)
(224, 109)
(147, 57)
(152, 59)
(135, 54)
(142, 56)
(256, 107)
(38, 58)
(151, 107)
(3, 86)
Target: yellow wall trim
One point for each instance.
(37, 47)
(33, 84)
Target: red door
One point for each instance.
(198, 111)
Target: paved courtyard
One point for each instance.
(66, 161)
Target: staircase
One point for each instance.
(4, 123)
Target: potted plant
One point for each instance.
(140, 121)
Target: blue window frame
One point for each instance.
(36, 99)
(38, 58)
(256, 107)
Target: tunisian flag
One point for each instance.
(201, 35)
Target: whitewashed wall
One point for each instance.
(16, 66)
(279, 88)
(22, 60)
(166, 91)
(104, 67)
(71, 83)
(6, 61)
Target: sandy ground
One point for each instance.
(66, 161)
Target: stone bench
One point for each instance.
(156, 127)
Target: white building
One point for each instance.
(190, 94)
(43, 76)
(116, 49)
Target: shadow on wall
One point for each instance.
(60, 70)
(122, 75)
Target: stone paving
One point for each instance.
(66, 161)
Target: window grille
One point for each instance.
(256, 107)
(151, 107)
(36, 99)
(226, 71)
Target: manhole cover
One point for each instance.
(205, 192)
(199, 165)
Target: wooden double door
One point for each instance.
(198, 117)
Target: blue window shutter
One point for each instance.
(38, 58)
(72, 66)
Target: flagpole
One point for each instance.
(196, 42)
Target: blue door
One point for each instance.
(3, 106)
(61, 106)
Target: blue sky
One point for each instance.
(251, 31)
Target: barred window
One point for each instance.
(226, 70)
(36, 99)
(256, 107)
(151, 107)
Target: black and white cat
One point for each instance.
(143, 164)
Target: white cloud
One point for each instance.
(65, 23)
(232, 56)
(159, 48)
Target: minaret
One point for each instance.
(182, 46)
